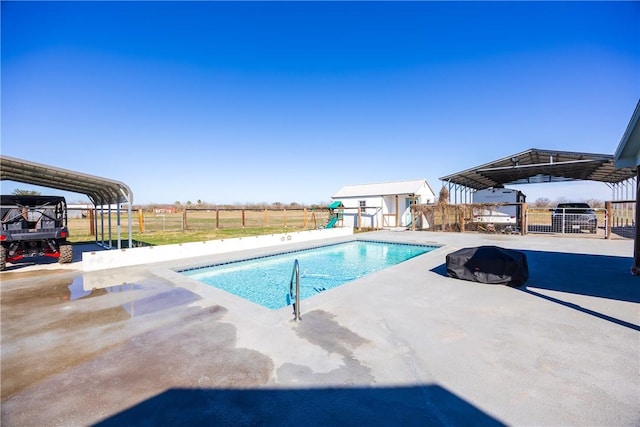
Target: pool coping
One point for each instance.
(116, 258)
(172, 273)
(181, 271)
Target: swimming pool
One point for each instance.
(265, 280)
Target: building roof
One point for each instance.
(628, 152)
(382, 189)
(536, 166)
(101, 191)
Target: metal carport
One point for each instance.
(102, 192)
(535, 166)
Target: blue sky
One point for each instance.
(234, 102)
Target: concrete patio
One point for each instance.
(405, 346)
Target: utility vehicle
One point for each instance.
(34, 226)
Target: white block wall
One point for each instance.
(92, 261)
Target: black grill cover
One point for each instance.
(489, 264)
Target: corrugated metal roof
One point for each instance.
(381, 189)
(101, 191)
(539, 166)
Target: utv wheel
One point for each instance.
(66, 253)
(3, 257)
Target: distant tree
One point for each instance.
(542, 202)
(595, 203)
(199, 202)
(276, 205)
(20, 192)
(294, 205)
(189, 203)
(561, 200)
(79, 202)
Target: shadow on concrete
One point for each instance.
(30, 261)
(357, 406)
(78, 250)
(583, 309)
(628, 232)
(599, 276)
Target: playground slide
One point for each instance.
(331, 223)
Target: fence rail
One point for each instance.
(83, 223)
(563, 221)
(623, 218)
(616, 220)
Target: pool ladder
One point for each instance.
(295, 274)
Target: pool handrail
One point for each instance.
(296, 305)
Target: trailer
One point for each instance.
(501, 205)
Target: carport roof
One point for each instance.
(101, 191)
(536, 166)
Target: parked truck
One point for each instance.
(573, 218)
(494, 212)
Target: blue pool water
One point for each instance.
(266, 280)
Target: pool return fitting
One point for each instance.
(296, 305)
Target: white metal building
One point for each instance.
(382, 205)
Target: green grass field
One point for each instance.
(171, 228)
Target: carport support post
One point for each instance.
(109, 225)
(523, 219)
(636, 242)
(92, 226)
